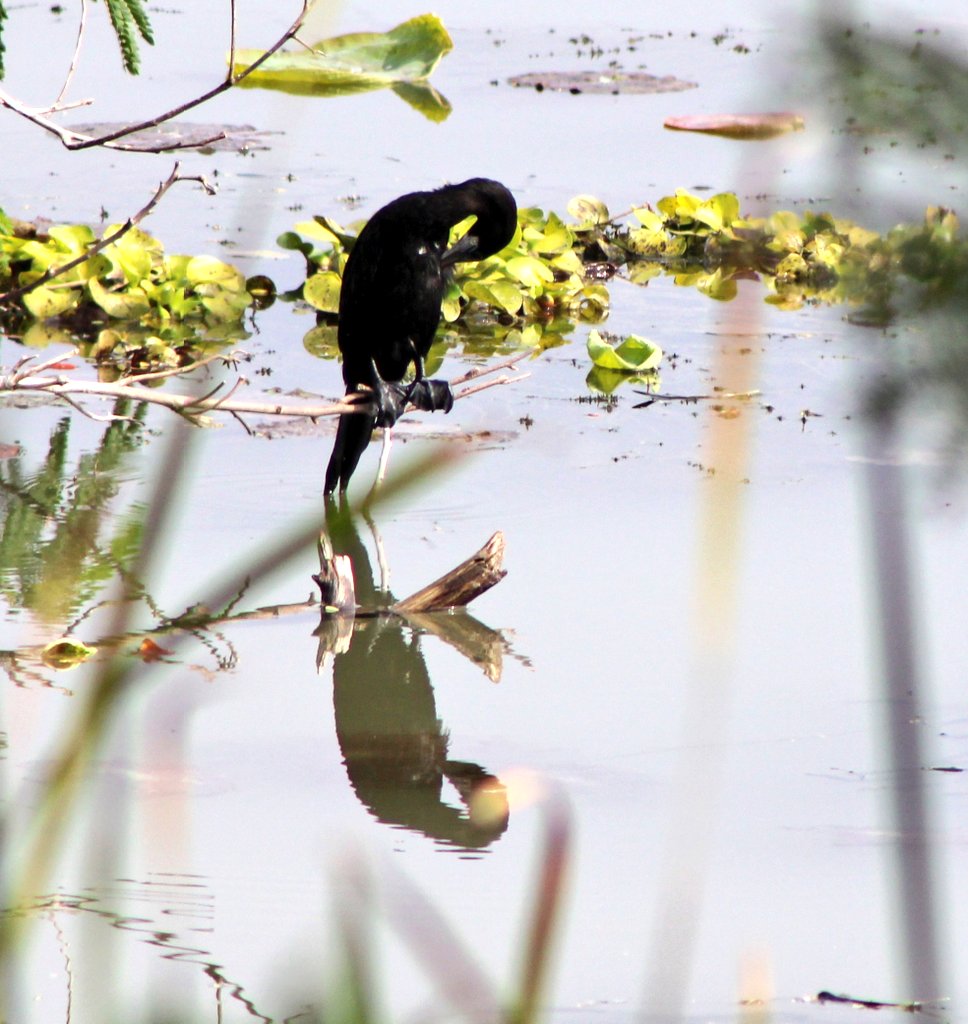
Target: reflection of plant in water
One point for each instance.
(52, 557)
(914, 95)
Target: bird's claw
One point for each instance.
(430, 395)
(390, 401)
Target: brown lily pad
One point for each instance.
(612, 83)
(738, 126)
(239, 138)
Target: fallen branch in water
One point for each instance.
(40, 379)
(654, 396)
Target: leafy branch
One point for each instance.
(42, 116)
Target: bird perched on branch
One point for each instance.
(389, 306)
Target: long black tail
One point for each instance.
(352, 436)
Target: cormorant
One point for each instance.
(389, 306)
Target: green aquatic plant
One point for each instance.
(618, 361)
(128, 293)
(530, 294)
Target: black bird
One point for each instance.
(389, 306)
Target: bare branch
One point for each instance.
(35, 381)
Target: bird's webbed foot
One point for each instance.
(430, 395)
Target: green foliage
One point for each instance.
(160, 303)
(532, 293)
(614, 362)
(130, 19)
(705, 243)
(401, 59)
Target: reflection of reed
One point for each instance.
(162, 910)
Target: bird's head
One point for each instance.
(497, 219)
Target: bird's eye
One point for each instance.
(422, 250)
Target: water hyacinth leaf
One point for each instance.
(499, 294)
(44, 302)
(209, 270)
(554, 237)
(322, 290)
(719, 211)
(529, 271)
(357, 62)
(589, 211)
(122, 305)
(632, 355)
(73, 238)
(133, 253)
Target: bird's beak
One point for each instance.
(463, 249)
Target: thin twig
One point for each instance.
(485, 384)
(103, 243)
(482, 371)
(81, 27)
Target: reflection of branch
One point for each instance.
(22, 378)
(103, 243)
(76, 140)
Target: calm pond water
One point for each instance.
(729, 796)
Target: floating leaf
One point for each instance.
(45, 302)
(633, 355)
(588, 211)
(121, 305)
(66, 653)
(237, 138)
(738, 126)
(322, 290)
(402, 58)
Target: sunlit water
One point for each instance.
(233, 805)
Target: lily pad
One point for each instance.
(401, 59)
(738, 126)
(612, 83)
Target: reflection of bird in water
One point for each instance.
(394, 745)
(389, 307)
